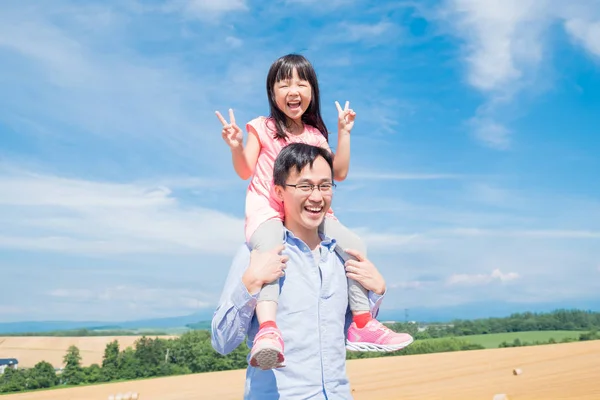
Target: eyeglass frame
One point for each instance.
(312, 187)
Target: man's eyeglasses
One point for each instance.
(325, 188)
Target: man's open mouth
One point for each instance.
(314, 210)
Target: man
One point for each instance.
(313, 313)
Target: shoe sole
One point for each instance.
(267, 358)
(364, 347)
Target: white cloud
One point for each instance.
(491, 194)
(207, 9)
(12, 310)
(378, 116)
(586, 33)
(367, 34)
(75, 216)
(502, 38)
(233, 41)
(382, 243)
(534, 234)
(358, 32)
(491, 133)
(332, 4)
(386, 176)
(407, 285)
(531, 240)
(67, 87)
(506, 39)
(75, 294)
(504, 43)
(137, 298)
(481, 279)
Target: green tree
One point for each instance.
(93, 374)
(151, 355)
(110, 362)
(13, 381)
(128, 364)
(73, 373)
(407, 327)
(41, 376)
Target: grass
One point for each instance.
(493, 340)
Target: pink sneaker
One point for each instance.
(267, 349)
(375, 336)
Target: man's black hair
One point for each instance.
(298, 156)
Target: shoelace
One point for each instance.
(384, 328)
(269, 335)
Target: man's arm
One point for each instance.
(235, 309)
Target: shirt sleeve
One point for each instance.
(235, 309)
(260, 127)
(324, 143)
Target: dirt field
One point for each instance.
(562, 371)
(30, 350)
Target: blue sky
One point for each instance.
(474, 156)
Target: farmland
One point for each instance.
(493, 340)
(30, 350)
(552, 371)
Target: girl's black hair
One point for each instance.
(283, 68)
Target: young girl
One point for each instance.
(295, 116)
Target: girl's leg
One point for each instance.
(377, 337)
(267, 348)
(266, 237)
(357, 295)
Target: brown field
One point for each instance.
(561, 371)
(30, 350)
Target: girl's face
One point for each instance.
(293, 96)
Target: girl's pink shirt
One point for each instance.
(262, 203)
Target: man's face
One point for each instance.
(305, 209)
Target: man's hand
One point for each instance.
(265, 267)
(364, 272)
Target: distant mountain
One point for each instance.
(421, 314)
(482, 310)
(154, 323)
(169, 322)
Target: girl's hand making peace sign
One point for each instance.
(345, 118)
(232, 134)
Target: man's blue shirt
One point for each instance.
(313, 317)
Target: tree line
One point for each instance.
(592, 335)
(567, 320)
(192, 352)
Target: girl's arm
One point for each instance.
(244, 158)
(341, 160)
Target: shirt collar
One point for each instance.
(326, 241)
